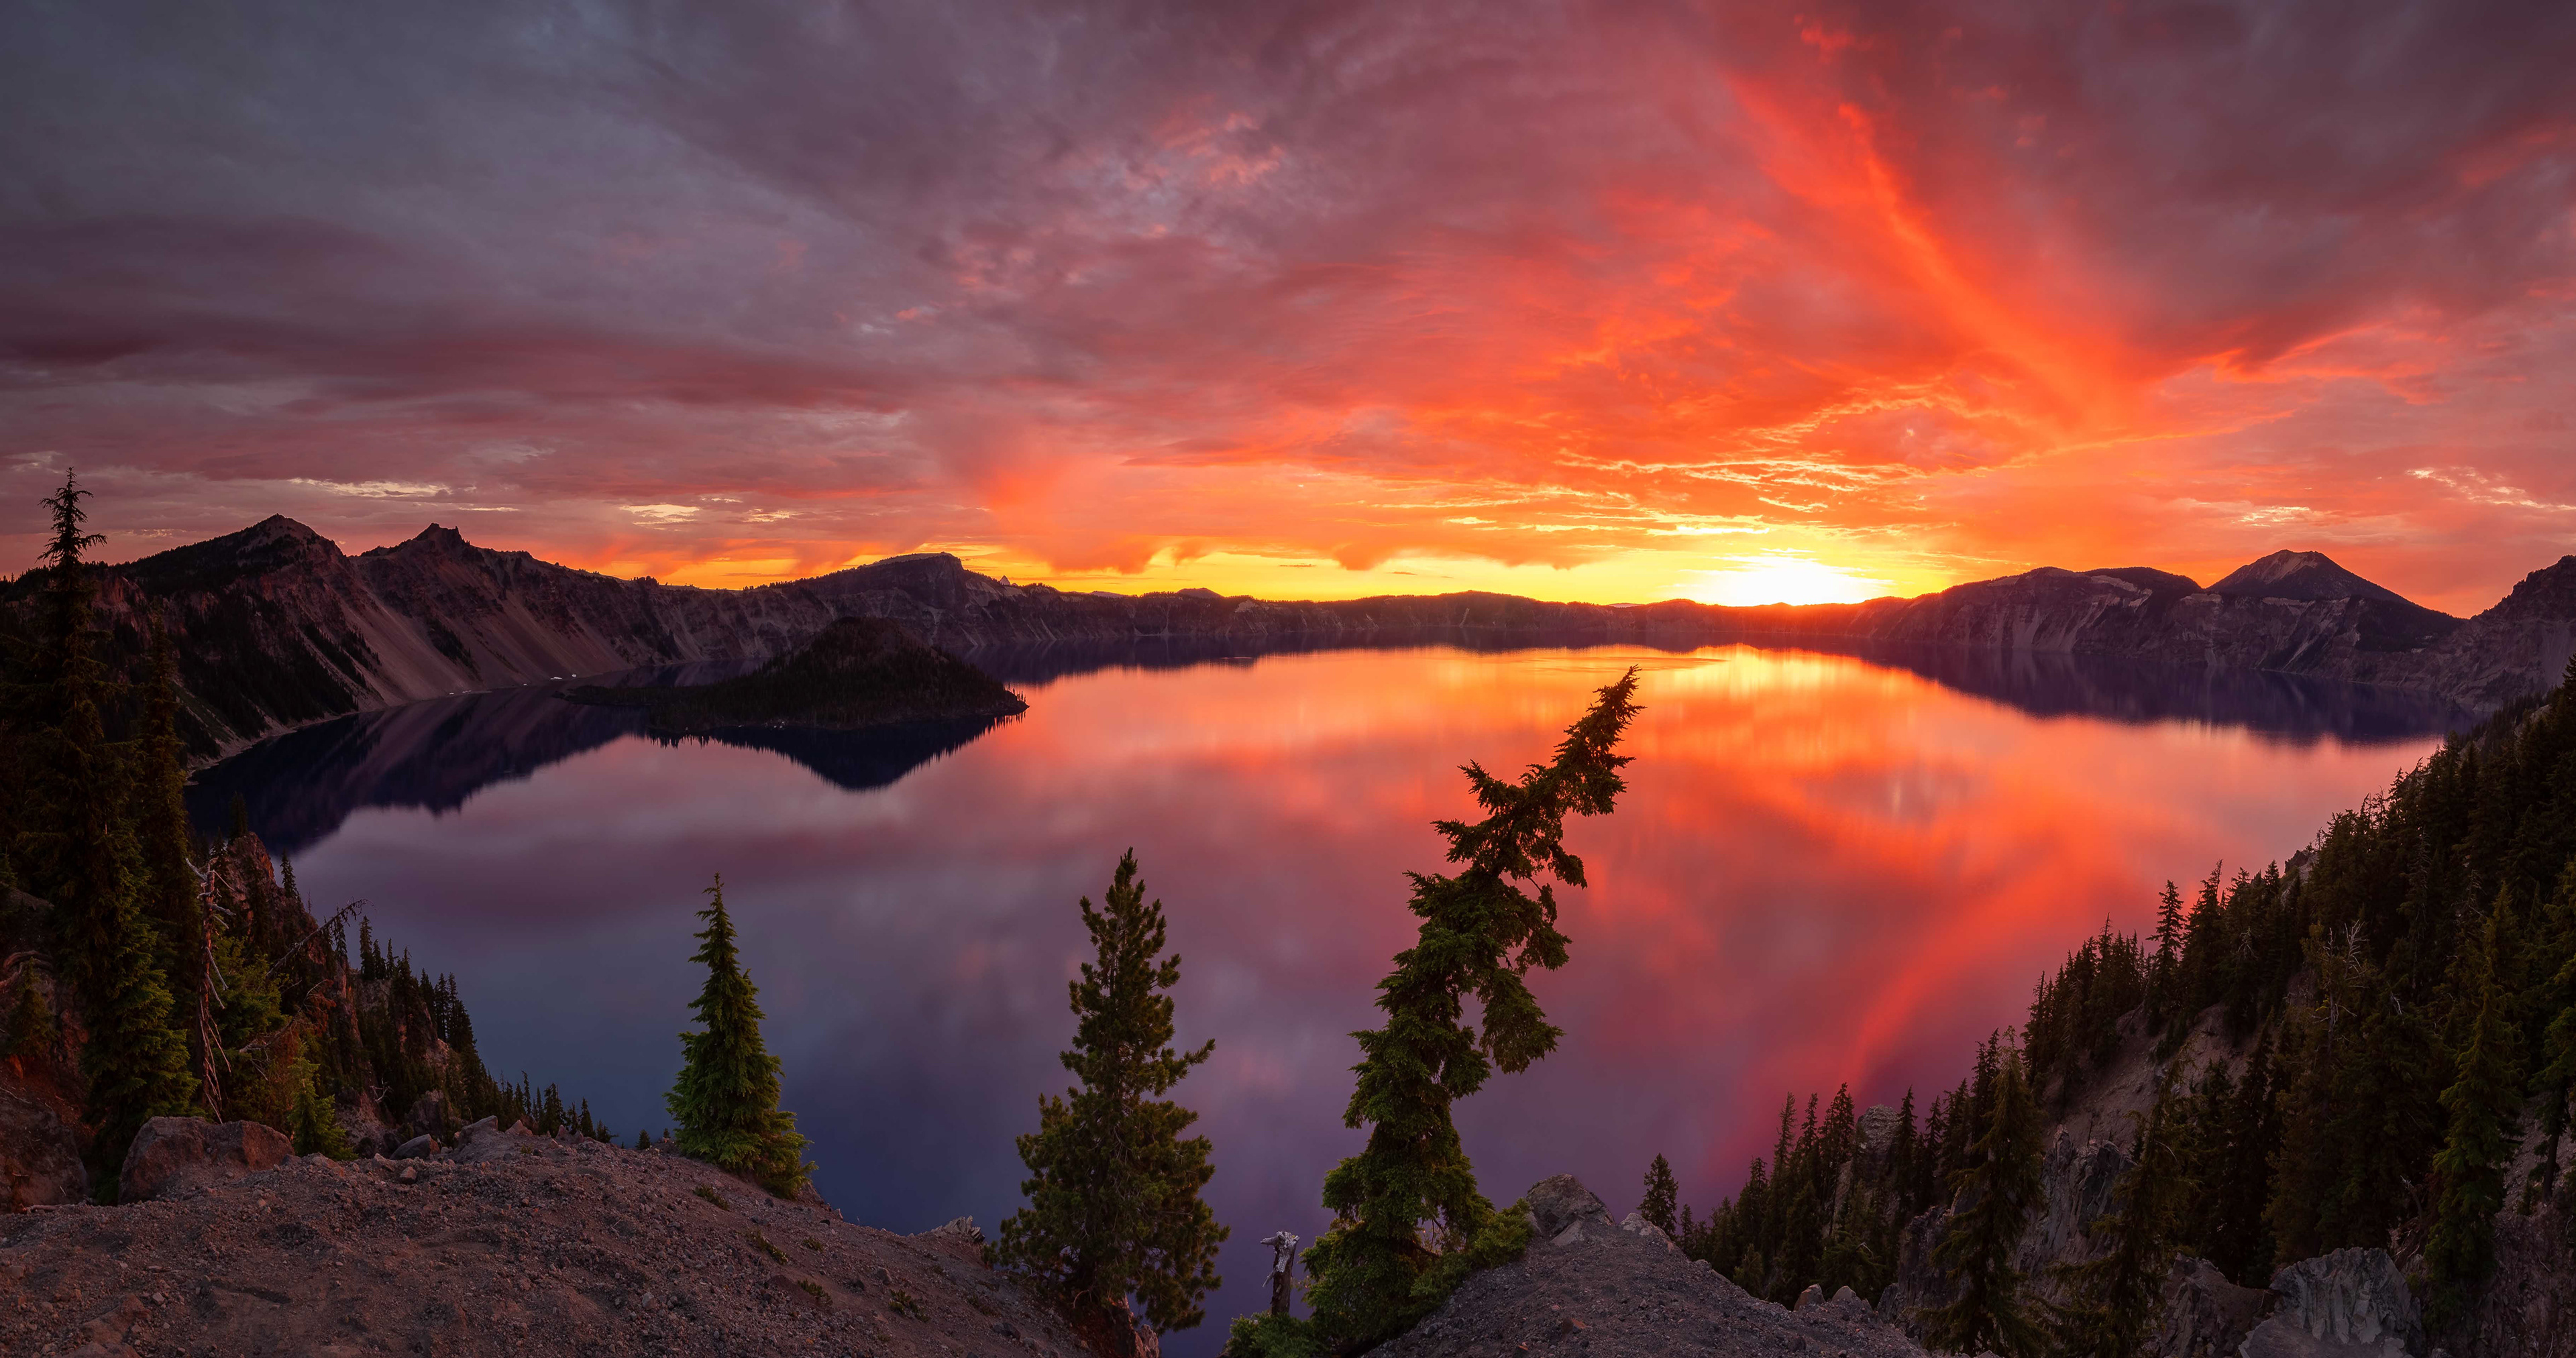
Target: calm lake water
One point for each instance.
(1826, 869)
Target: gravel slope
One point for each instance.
(514, 1245)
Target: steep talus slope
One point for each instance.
(508, 1245)
(277, 628)
(1591, 1286)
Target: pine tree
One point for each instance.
(169, 884)
(1903, 1150)
(1374, 1273)
(2241, 1243)
(1661, 1193)
(726, 1099)
(317, 1129)
(2168, 959)
(2483, 1103)
(1114, 1208)
(82, 855)
(1998, 1194)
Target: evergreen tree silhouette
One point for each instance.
(2165, 1004)
(1998, 1194)
(1114, 1208)
(169, 884)
(1661, 1193)
(83, 856)
(1408, 1223)
(2484, 1103)
(726, 1099)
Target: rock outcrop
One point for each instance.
(40, 1161)
(2348, 1304)
(278, 628)
(2204, 1315)
(2078, 1181)
(1586, 1286)
(173, 1157)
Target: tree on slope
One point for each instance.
(726, 1100)
(169, 886)
(2115, 1298)
(1408, 1222)
(1114, 1208)
(2000, 1189)
(82, 855)
(1661, 1193)
(2484, 1103)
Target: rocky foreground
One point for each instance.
(1589, 1285)
(507, 1244)
(510, 1243)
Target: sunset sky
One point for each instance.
(1610, 302)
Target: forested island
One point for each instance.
(856, 673)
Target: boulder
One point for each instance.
(486, 1141)
(428, 1117)
(365, 1135)
(1636, 1224)
(173, 1157)
(1810, 1299)
(963, 1228)
(1560, 1202)
(961, 1239)
(417, 1147)
(40, 1161)
(2342, 1305)
(2204, 1316)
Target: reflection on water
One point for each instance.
(433, 755)
(1827, 869)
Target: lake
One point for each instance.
(1826, 869)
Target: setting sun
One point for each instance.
(1781, 578)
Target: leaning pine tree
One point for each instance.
(1408, 1223)
(726, 1100)
(1114, 1208)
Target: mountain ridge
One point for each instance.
(276, 627)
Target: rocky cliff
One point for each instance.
(278, 628)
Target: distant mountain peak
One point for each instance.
(2302, 575)
(277, 527)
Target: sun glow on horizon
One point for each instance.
(1783, 578)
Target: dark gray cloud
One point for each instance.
(939, 272)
